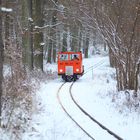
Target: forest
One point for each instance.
(32, 32)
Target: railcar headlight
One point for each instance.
(77, 70)
(61, 70)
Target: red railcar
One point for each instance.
(70, 65)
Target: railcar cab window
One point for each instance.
(64, 57)
(75, 57)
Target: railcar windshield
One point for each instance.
(75, 57)
(63, 57)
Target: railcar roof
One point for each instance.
(69, 52)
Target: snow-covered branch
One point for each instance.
(46, 26)
(4, 9)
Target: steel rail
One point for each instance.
(93, 119)
(58, 97)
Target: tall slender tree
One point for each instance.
(52, 35)
(27, 38)
(1, 62)
(38, 35)
(30, 3)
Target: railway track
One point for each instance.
(83, 111)
(61, 104)
(93, 119)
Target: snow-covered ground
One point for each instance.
(96, 93)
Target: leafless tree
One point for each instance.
(1, 62)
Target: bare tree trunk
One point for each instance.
(79, 39)
(1, 62)
(38, 36)
(52, 39)
(86, 47)
(54, 22)
(31, 50)
(64, 46)
(50, 45)
(27, 38)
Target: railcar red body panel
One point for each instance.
(70, 65)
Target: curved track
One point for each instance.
(58, 97)
(93, 119)
(83, 111)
